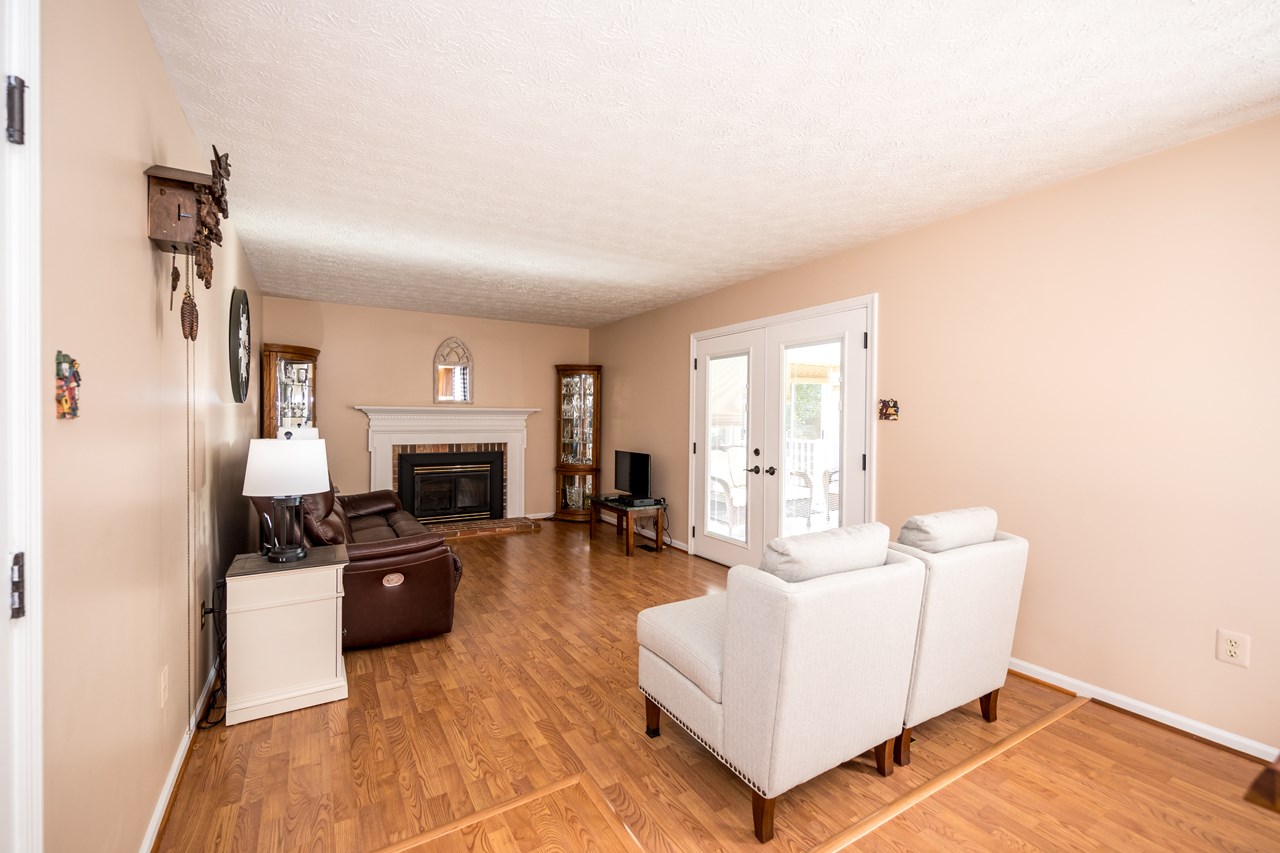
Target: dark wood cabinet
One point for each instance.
(577, 440)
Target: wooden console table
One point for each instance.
(626, 519)
(284, 633)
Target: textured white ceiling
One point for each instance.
(579, 161)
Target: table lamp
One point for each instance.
(285, 470)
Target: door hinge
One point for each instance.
(17, 586)
(695, 448)
(864, 462)
(695, 362)
(866, 337)
(15, 106)
(695, 531)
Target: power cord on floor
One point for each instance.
(648, 524)
(216, 709)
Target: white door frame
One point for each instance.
(21, 676)
(870, 302)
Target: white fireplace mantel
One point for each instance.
(393, 425)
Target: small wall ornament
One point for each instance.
(888, 410)
(66, 386)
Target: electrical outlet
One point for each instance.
(164, 687)
(1233, 647)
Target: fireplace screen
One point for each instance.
(454, 491)
(452, 486)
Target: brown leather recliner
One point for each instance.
(399, 584)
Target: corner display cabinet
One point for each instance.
(577, 440)
(288, 388)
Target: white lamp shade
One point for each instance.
(285, 468)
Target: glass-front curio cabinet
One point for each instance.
(288, 388)
(577, 440)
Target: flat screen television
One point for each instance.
(632, 472)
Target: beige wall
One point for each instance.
(121, 480)
(1099, 362)
(383, 357)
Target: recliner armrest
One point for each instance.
(370, 503)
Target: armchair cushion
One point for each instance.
(942, 531)
(688, 635)
(827, 552)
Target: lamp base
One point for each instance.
(284, 554)
(286, 542)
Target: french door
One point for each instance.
(780, 430)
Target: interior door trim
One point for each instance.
(871, 302)
(21, 356)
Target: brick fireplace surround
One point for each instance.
(440, 429)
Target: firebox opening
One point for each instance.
(452, 486)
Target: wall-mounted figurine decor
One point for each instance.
(888, 410)
(184, 213)
(66, 386)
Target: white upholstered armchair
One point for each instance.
(973, 583)
(799, 666)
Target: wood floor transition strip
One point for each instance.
(569, 815)
(484, 814)
(879, 818)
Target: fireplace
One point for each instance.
(396, 430)
(451, 486)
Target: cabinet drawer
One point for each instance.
(252, 592)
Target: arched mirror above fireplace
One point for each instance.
(454, 379)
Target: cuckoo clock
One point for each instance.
(184, 215)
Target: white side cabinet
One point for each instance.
(284, 634)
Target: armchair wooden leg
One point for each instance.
(762, 814)
(652, 717)
(988, 703)
(883, 764)
(902, 748)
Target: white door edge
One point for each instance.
(21, 749)
(871, 302)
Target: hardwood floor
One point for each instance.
(1096, 780)
(536, 686)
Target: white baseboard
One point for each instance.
(1151, 712)
(153, 829)
(537, 515)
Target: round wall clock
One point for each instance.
(238, 348)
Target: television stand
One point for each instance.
(626, 515)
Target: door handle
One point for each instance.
(753, 470)
(771, 470)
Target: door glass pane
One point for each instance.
(811, 430)
(726, 486)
